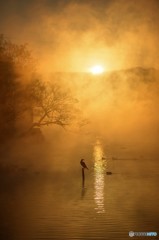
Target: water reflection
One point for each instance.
(99, 171)
(83, 192)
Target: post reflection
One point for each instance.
(99, 170)
(83, 192)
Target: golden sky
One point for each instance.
(74, 35)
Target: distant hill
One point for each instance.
(132, 74)
(132, 78)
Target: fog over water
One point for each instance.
(120, 108)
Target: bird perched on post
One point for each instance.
(83, 164)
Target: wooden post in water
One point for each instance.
(83, 177)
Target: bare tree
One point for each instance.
(48, 102)
(52, 104)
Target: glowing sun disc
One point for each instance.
(97, 69)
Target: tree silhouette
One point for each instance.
(20, 56)
(14, 61)
(21, 94)
(52, 104)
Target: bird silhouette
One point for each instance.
(83, 164)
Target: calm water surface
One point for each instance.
(108, 207)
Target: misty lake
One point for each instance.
(79, 80)
(55, 206)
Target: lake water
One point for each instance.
(56, 206)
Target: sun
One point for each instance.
(97, 69)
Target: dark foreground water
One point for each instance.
(55, 206)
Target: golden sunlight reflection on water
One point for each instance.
(99, 171)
